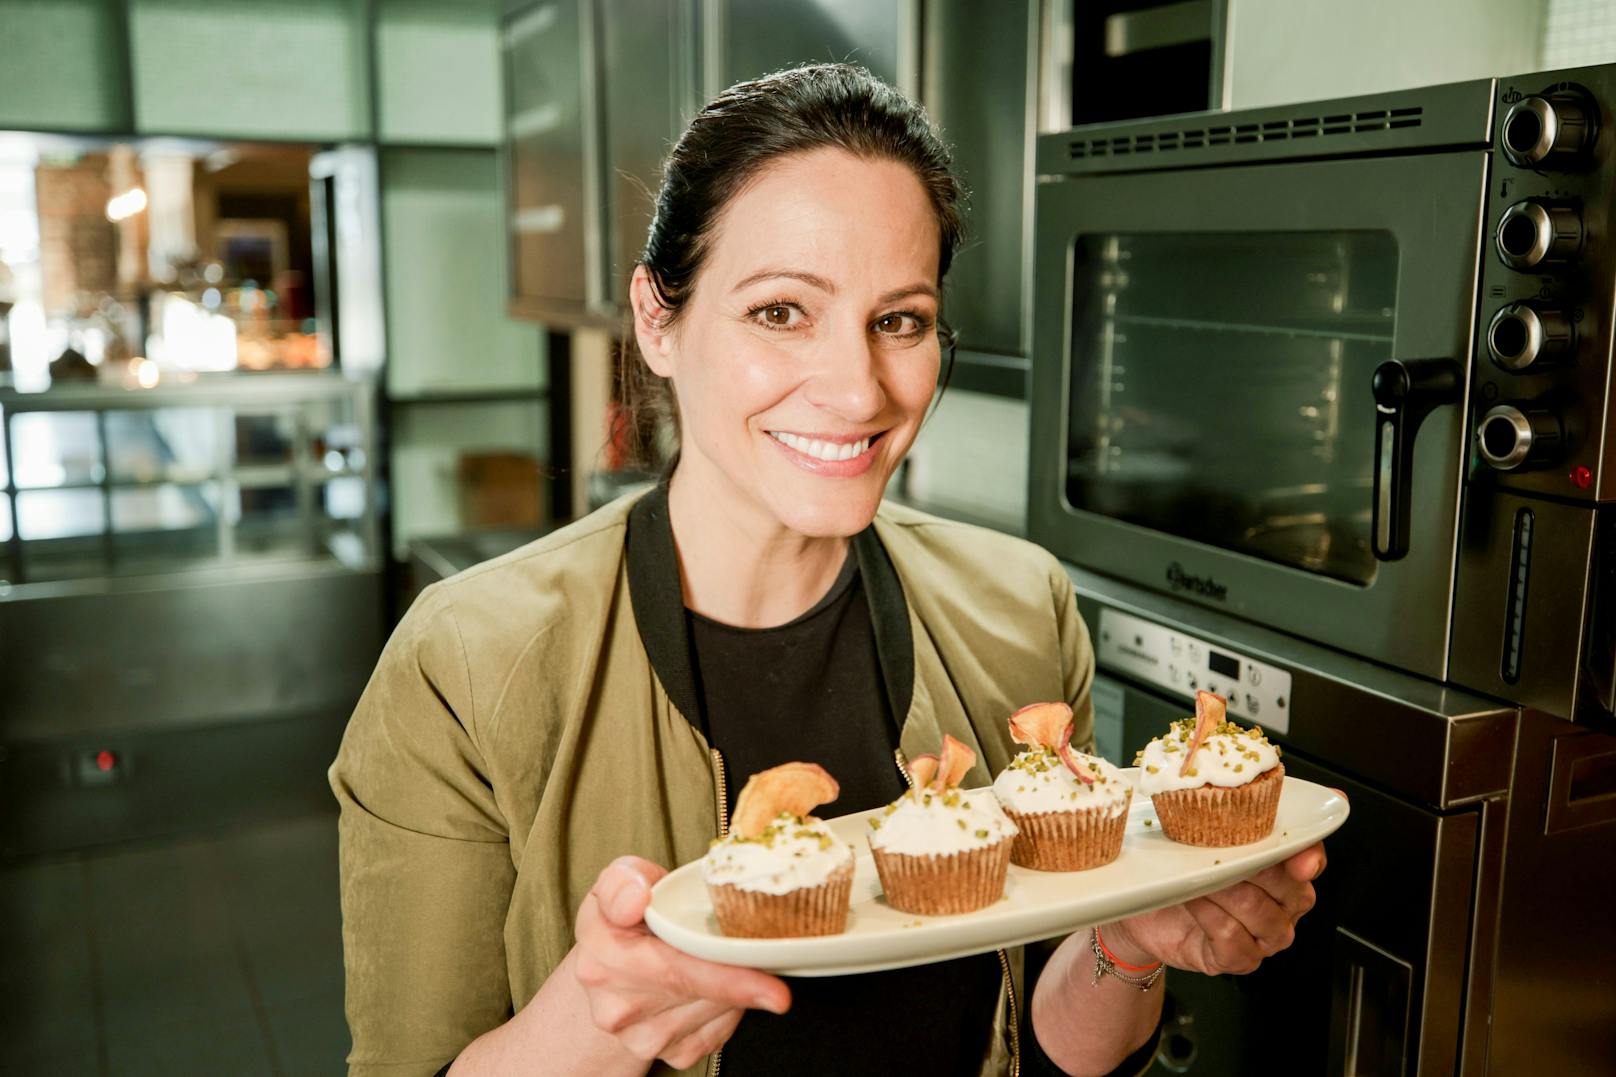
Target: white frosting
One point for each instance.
(1228, 757)
(941, 824)
(792, 854)
(1037, 781)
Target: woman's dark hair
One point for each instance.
(739, 133)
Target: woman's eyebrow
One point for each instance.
(921, 288)
(793, 274)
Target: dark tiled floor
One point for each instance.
(219, 954)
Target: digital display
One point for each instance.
(1222, 663)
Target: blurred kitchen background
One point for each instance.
(305, 304)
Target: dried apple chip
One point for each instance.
(1041, 724)
(922, 770)
(1048, 725)
(1210, 710)
(953, 763)
(796, 788)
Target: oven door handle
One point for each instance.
(1406, 391)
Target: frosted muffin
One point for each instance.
(937, 849)
(780, 872)
(1070, 808)
(1212, 782)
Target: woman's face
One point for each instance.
(807, 353)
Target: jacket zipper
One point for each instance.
(1014, 1014)
(716, 1058)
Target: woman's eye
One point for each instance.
(898, 325)
(778, 316)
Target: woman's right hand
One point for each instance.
(657, 1001)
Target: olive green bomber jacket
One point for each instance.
(526, 724)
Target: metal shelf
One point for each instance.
(305, 409)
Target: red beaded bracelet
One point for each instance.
(1123, 965)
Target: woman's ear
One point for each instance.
(651, 327)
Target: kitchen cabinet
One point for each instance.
(552, 155)
(437, 72)
(597, 90)
(980, 85)
(294, 69)
(744, 39)
(64, 65)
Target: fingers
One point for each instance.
(1270, 924)
(704, 1041)
(658, 1034)
(623, 890)
(1226, 946)
(739, 987)
(1308, 864)
(634, 965)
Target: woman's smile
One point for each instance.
(831, 455)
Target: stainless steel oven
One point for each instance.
(1320, 421)
(1341, 369)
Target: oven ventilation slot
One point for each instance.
(1195, 138)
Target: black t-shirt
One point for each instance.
(812, 690)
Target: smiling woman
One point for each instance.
(547, 734)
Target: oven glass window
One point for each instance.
(1221, 388)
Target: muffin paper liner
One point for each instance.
(811, 910)
(1213, 816)
(1069, 840)
(933, 885)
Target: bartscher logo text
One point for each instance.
(1205, 586)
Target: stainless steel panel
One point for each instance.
(1584, 287)
(979, 83)
(1402, 617)
(1554, 1005)
(1556, 585)
(746, 39)
(1431, 118)
(1158, 27)
(1369, 1011)
(1453, 748)
(646, 50)
(173, 652)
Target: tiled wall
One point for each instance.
(1577, 32)
(971, 459)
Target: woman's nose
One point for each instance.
(847, 382)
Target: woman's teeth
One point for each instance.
(822, 450)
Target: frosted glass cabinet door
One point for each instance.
(759, 36)
(437, 71)
(447, 329)
(63, 65)
(547, 152)
(292, 69)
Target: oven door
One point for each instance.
(1202, 415)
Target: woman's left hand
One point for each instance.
(1228, 931)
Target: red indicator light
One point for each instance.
(105, 760)
(1581, 477)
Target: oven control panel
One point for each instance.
(1181, 663)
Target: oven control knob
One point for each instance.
(1532, 233)
(1510, 438)
(1554, 132)
(1526, 337)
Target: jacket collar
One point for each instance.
(659, 610)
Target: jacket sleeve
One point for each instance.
(1077, 657)
(425, 858)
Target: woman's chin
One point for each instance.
(841, 514)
